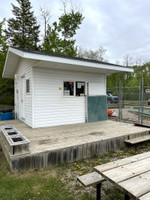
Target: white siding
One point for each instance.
(96, 89)
(24, 70)
(51, 108)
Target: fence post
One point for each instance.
(120, 100)
(139, 104)
(142, 100)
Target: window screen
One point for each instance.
(27, 86)
(80, 88)
(69, 88)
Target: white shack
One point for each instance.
(53, 90)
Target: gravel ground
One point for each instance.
(129, 117)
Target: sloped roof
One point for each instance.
(57, 61)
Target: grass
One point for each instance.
(59, 182)
(31, 185)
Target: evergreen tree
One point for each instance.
(3, 47)
(23, 30)
(6, 85)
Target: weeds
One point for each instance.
(60, 182)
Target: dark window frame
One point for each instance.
(73, 89)
(78, 93)
(27, 86)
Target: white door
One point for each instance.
(22, 98)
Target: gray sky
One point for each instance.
(120, 26)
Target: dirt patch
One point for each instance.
(96, 133)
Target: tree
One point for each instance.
(125, 77)
(143, 71)
(23, 30)
(6, 85)
(69, 23)
(45, 14)
(3, 46)
(59, 37)
(92, 54)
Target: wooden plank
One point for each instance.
(127, 171)
(132, 175)
(145, 197)
(142, 125)
(121, 162)
(90, 179)
(137, 186)
(138, 140)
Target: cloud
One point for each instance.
(5, 9)
(124, 26)
(120, 26)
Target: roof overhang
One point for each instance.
(14, 56)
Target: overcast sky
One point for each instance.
(120, 26)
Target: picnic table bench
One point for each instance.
(90, 179)
(131, 175)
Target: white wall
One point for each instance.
(97, 88)
(51, 108)
(24, 70)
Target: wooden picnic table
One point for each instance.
(131, 175)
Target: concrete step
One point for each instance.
(138, 140)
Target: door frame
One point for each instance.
(86, 102)
(22, 97)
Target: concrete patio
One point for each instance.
(52, 145)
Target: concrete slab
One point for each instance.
(77, 141)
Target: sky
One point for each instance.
(122, 27)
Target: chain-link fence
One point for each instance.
(133, 102)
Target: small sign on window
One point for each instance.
(147, 90)
(80, 88)
(69, 88)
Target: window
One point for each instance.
(80, 88)
(27, 86)
(69, 88)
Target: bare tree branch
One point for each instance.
(45, 14)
